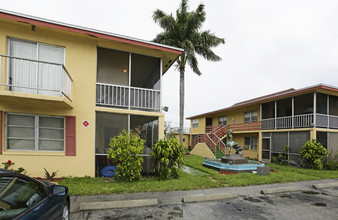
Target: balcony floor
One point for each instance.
(19, 99)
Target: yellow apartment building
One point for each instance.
(265, 125)
(65, 90)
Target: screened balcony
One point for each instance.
(301, 112)
(127, 80)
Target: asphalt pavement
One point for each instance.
(153, 199)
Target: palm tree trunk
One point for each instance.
(182, 70)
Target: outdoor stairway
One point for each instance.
(214, 136)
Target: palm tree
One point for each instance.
(184, 32)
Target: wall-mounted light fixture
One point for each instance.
(165, 108)
(125, 70)
(33, 27)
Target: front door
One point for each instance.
(266, 148)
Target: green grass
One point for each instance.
(95, 186)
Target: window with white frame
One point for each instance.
(34, 132)
(222, 120)
(250, 116)
(195, 123)
(31, 76)
(251, 141)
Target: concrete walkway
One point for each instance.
(97, 202)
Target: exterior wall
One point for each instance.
(254, 154)
(235, 116)
(201, 126)
(80, 61)
(201, 149)
(186, 142)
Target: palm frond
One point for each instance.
(166, 22)
(193, 63)
(196, 19)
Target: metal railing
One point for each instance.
(301, 121)
(118, 96)
(35, 77)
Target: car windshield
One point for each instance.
(18, 195)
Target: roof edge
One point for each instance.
(85, 31)
(269, 97)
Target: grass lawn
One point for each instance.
(94, 186)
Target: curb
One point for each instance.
(118, 204)
(202, 198)
(281, 189)
(324, 185)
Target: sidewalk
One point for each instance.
(177, 197)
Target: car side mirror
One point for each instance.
(59, 190)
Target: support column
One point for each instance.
(314, 109)
(260, 144)
(129, 81)
(293, 112)
(328, 110)
(275, 115)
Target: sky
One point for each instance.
(271, 45)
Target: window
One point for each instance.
(34, 132)
(195, 123)
(222, 120)
(28, 75)
(252, 141)
(250, 116)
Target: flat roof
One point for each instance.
(86, 31)
(270, 97)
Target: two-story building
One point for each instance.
(66, 90)
(265, 125)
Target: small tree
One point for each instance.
(313, 154)
(125, 152)
(168, 154)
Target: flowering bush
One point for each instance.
(125, 153)
(9, 163)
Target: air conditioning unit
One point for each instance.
(246, 147)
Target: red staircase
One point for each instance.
(215, 134)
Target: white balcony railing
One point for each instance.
(118, 96)
(301, 121)
(35, 77)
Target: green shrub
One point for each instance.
(49, 176)
(313, 154)
(168, 155)
(125, 152)
(332, 162)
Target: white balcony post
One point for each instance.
(293, 111)
(129, 80)
(161, 62)
(328, 110)
(314, 108)
(275, 115)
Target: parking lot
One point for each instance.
(304, 204)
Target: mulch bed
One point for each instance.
(51, 180)
(274, 171)
(227, 173)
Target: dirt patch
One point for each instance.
(212, 179)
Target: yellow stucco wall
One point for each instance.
(201, 126)
(201, 149)
(80, 61)
(186, 140)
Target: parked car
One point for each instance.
(22, 197)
